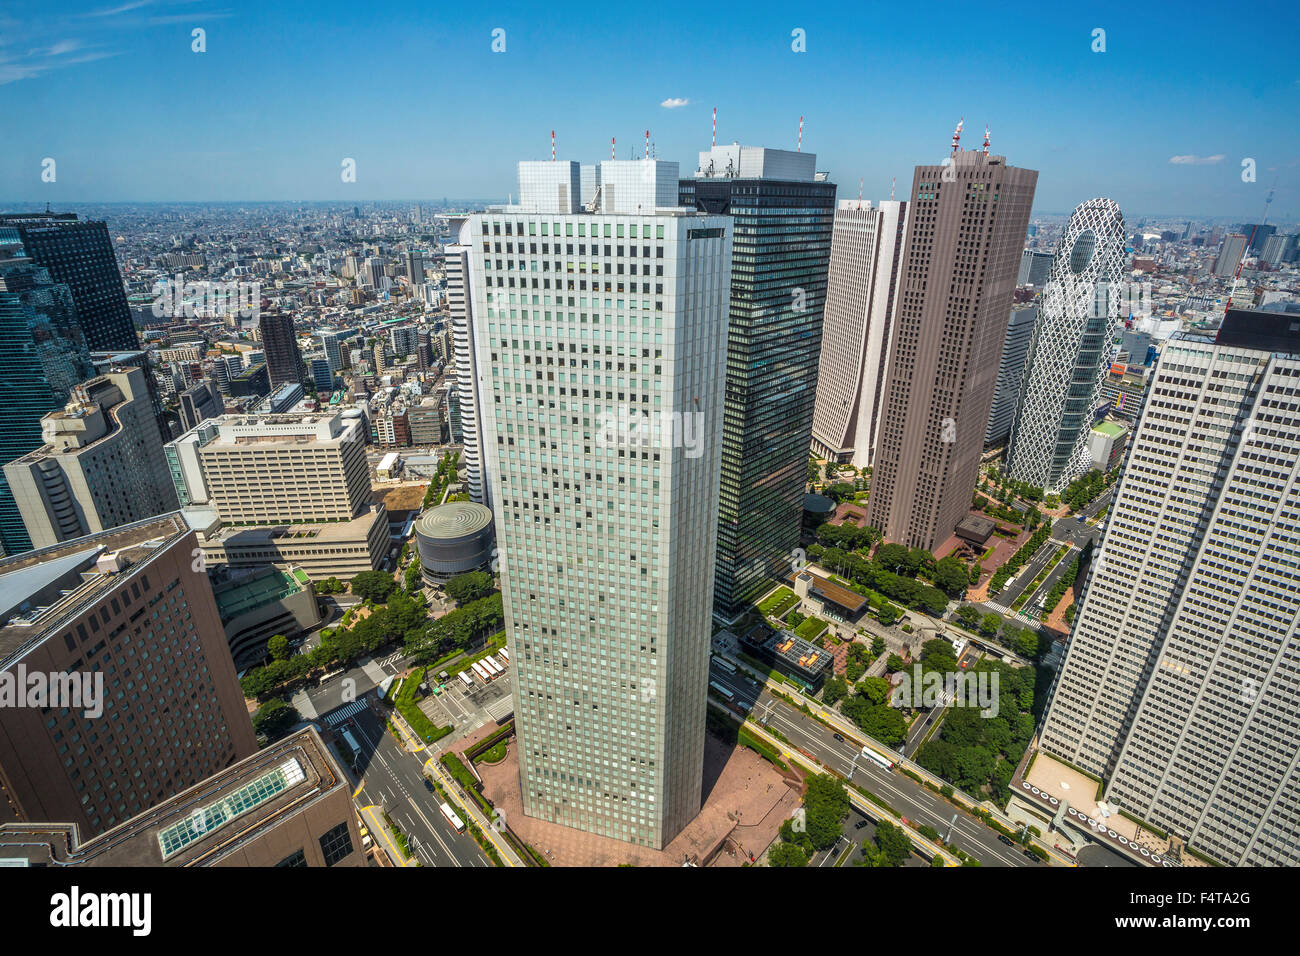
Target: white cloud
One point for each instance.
(673, 102)
(1193, 160)
(124, 8)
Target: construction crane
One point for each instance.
(1249, 242)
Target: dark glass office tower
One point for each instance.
(80, 255)
(283, 359)
(781, 249)
(42, 357)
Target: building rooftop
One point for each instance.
(243, 594)
(201, 825)
(61, 579)
(453, 520)
(1109, 429)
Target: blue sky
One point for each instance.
(112, 91)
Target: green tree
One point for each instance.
(834, 690)
(990, 623)
(894, 843)
(278, 647)
(968, 615)
(373, 586)
(274, 718)
(787, 854)
(875, 689)
(470, 586)
(951, 576)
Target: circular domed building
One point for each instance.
(453, 538)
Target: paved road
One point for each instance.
(904, 794)
(392, 778)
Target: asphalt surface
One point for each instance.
(909, 798)
(393, 779)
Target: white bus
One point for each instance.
(877, 759)
(450, 816)
(725, 664)
(466, 679)
(505, 654)
(494, 664)
(721, 691)
(351, 742)
(491, 666)
(482, 672)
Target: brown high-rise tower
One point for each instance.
(966, 230)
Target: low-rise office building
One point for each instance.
(286, 806)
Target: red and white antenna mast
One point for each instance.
(611, 147)
(986, 139)
(552, 145)
(715, 126)
(647, 144)
(799, 149)
(956, 134)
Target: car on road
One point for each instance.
(1005, 839)
(428, 784)
(1032, 855)
(839, 737)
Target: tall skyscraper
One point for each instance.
(1230, 253)
(43, 357)
(783, 211)
(414, 260)
(130, 607)
(101, 466)
(1179, 684)
(80, 255)
(1033, 268)
(967, 223)
(1256, 235)
(602, 404)
(866, 249)
(466, 425)
(1081, 314)
(332, 342)
(1011, 372)
(283, 359)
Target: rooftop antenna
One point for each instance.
(986, 139)
(611, 148)
(715, 127)
(799, 149)
(552, 145)
(647, 144)
(892, 181)
(956, 134)
(859, 190)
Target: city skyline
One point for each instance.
(1155, 163)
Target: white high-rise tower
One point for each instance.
(866, 250)
(1178, 687)
(1070, 353)
(601, 340)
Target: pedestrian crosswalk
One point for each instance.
(343, 713)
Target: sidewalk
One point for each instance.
(853, 733)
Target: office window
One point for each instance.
(336, 844)
(297, 857)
